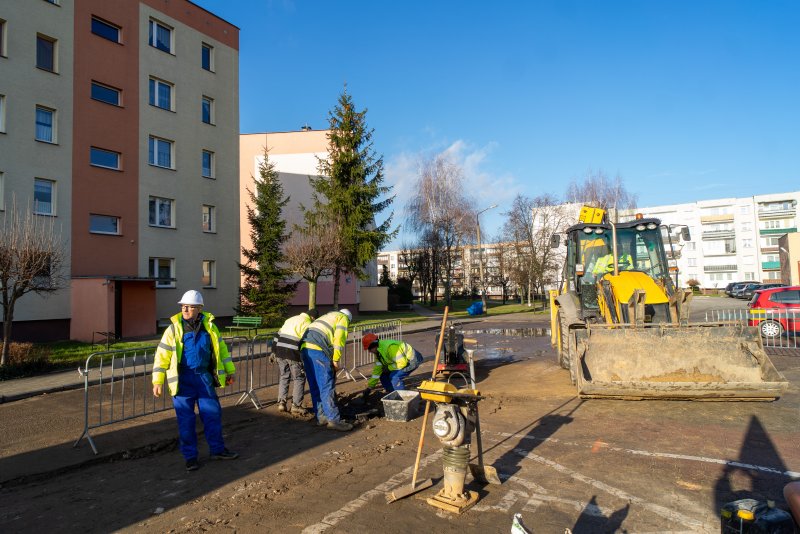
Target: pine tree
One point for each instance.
(349, 189)
(265, 291)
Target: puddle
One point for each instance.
(513, 332)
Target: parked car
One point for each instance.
(733, 286)
(739, 291)
(775, 311)
(748, 293)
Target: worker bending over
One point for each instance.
(394, 361)
(290, 361)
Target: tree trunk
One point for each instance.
(8, 318)
(337, 273)
(312, 294)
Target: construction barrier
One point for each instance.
(779, 327)
(118, 383)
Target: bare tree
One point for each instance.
(442, 214)
(32, 258)
(312, 252)
(598, 190)
(529, 225)
(500, 266)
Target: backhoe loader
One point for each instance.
(622, 328)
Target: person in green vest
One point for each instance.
(394, 361)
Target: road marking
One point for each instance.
(599, 444)
(334, 518)
(666, 513)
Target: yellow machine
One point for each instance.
(622, 327)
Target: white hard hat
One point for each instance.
(347, 313)
(192, 297)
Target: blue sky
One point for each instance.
(685, 100)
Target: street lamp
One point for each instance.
(480, 254)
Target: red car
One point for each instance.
(775, 311)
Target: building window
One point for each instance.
(692, 262)
(160, 152)
(209, 219)
(691, 246)
(106, 94)
(106, 30)
(161, 36)
(45, 124)
(208, 164)
(2, 38)
(209, 278)
(207, 57)
(46, 53)
(161, 94)
(54, 2)
(749, 276)
(747, 243)
(103, 224)
(104, 158)
(208, 110)
(163, 270)
(43, 276)
(161, 212)
(2, 192)
(2, 113)
(44, 197)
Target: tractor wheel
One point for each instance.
(770, 329)
(564, 354)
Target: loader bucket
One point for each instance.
(694, 362)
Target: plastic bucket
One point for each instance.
(401, 405)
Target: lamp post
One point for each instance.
(480, 254)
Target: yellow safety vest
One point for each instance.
(392, 355)
(327, 334)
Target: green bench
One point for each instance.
(241, 322)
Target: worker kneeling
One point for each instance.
(394, 361)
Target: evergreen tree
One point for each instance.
(265, 291)
(349, 189)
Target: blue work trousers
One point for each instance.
(393, 380)
(198, 389)
(321, 384)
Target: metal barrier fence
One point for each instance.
(778, 326)
(118, 383)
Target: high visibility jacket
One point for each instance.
(392, 355)
(170, 351)
(327, 334)
(605, 264)
(287, 341)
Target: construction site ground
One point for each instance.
(589, 466)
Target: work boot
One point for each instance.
(341, 426)
(281, 405)
(224, 455)
(192, 464)
(322, 420)
(299, 410)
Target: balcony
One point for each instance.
(776, 231)
(719, 234)
(776, 214)
(770, 265)
(725, 217)
(720, 268)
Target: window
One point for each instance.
(46, 53)
(209, 278)
(691, 246)
(160, 152)
(105, 30)
(54, 2)
(209, 219)
(161, 212)
(208, 164)
(104, 158)
(44, 195)
(160, 36)
(692, 262)
(207, 57)
(749, 276)
(208, 110)
(106, 94)
(2, 192)
(161, 94)
(45, 124)
(2, 38)
(747, 243)
(747, 227)
(163, 270)
(769, 225)
(2, 113)
(43, 277)
(103, 224)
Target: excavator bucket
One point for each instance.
(666, 361)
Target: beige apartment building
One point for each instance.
(120, 120)
(296, 157)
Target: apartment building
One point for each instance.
(733, 239)
(296, 157)
(120, 120)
